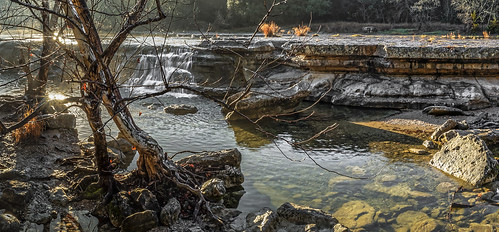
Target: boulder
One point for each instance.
(180, 109)
(145, 200)
(215, 159)
(442, 110)
(119, 208)
(468, 158)
(447, 126)
(265, 220)
(255, 105)
(213, 189)
(140, 222)
(9, 223)
(170, 212)
(291, 217)
(61, 121)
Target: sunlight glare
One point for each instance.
(56, 96)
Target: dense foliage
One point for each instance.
(477, 15)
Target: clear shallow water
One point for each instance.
(397, 186)
(399, 189)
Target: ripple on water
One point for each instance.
(276, 172)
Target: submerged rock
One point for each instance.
(468, 158)
(355, 214)
(180, 109)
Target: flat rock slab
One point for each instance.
(468, 158)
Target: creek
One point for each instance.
(391, 188)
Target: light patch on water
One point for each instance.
(57, 96)
(181, 95)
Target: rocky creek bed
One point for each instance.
(39, 179)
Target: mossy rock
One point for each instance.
(93, 192)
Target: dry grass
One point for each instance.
(486, 35)
(301, 30)
(269, 29)
(31, 130)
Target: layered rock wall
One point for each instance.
(380, 72)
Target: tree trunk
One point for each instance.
(149, 164)
(37, 85)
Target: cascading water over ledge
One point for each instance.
(153, 70)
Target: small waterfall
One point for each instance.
(148, 74)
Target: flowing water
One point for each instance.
(390, 189)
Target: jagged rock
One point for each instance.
(61, 121)
(145, 199)
(468, 158)
(213, 189)
(489, 136)
(31, 227)
(355, 214)
(119, 208)
(86, 221)
(58, 196)
(442, 110)
(15, 196)
(39, 209)
(429, 144)
(180, 109)
(448, 125)
(292, 218)
(170, 212)
(265, 220)
(9, 223)
(140, 222)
